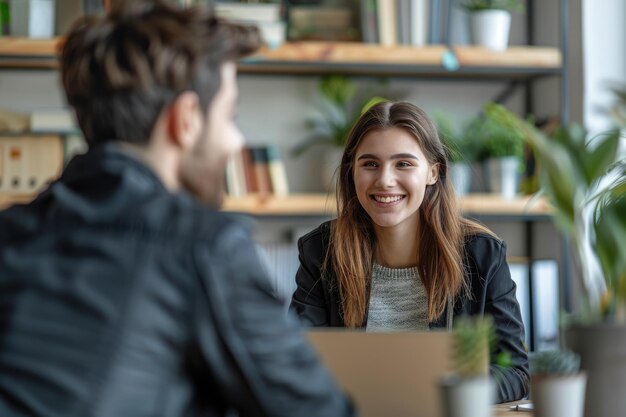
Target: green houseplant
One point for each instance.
(557, 385)
(339, 107)
(490, 21)
(501, 149)
(468, 391)
(461, 151)
(585, 180)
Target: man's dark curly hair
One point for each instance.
(120, 71)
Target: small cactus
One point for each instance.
(554, 362)
(472, 340)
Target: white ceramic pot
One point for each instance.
(502, 176)
(491, 28)
(461, 177)
(558, 395)
(466, 397)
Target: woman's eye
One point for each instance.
(370, 164)
(404, 164)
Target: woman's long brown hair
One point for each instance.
(442, 227)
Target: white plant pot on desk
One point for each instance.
(466, 397)
(491, 28)
(558, 395)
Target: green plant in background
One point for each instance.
(496, 137)
(459, 146)
(585, 181)
(478, 5)
(554, 362)
(472, 338)
(339, 110)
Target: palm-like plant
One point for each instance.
(339, 110)
(585, 182)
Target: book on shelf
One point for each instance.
(387, 22)
(53, 120)
(369, 21)
(268, 17)
(419, 22)
(261, 169)
(256, 169)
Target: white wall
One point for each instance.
(604, 43)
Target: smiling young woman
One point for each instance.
(400, 256)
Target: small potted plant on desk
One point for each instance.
(585, 180)
(468, 391)
(490, 21)
(556, 384)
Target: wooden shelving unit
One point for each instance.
(346, 58)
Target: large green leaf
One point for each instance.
(598, 160)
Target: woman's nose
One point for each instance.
(386, 177)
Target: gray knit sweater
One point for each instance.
(397, 300)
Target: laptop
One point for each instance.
(387, 374)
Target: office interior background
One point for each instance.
(274, 107)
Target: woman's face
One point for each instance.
(390, 175)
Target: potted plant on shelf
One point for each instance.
(557, 385)
(501, 151)
(339, 110)
(490, 21)
(461, 151)
(585, 181)
(468, 391)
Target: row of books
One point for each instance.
(387, 22)
(256, 170)
(404, 22)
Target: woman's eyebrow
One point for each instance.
(395, 156)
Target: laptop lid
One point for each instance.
(387, 374)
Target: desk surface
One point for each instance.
(506, 410)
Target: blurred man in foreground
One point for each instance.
(120, 293)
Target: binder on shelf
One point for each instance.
(28, 163)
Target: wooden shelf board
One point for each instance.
(348, 58)
(324, 205)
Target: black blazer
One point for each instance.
(317, 301)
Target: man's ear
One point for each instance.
(184, 120)
(433, 174)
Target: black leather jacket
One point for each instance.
(317, 301)
(118, 298)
